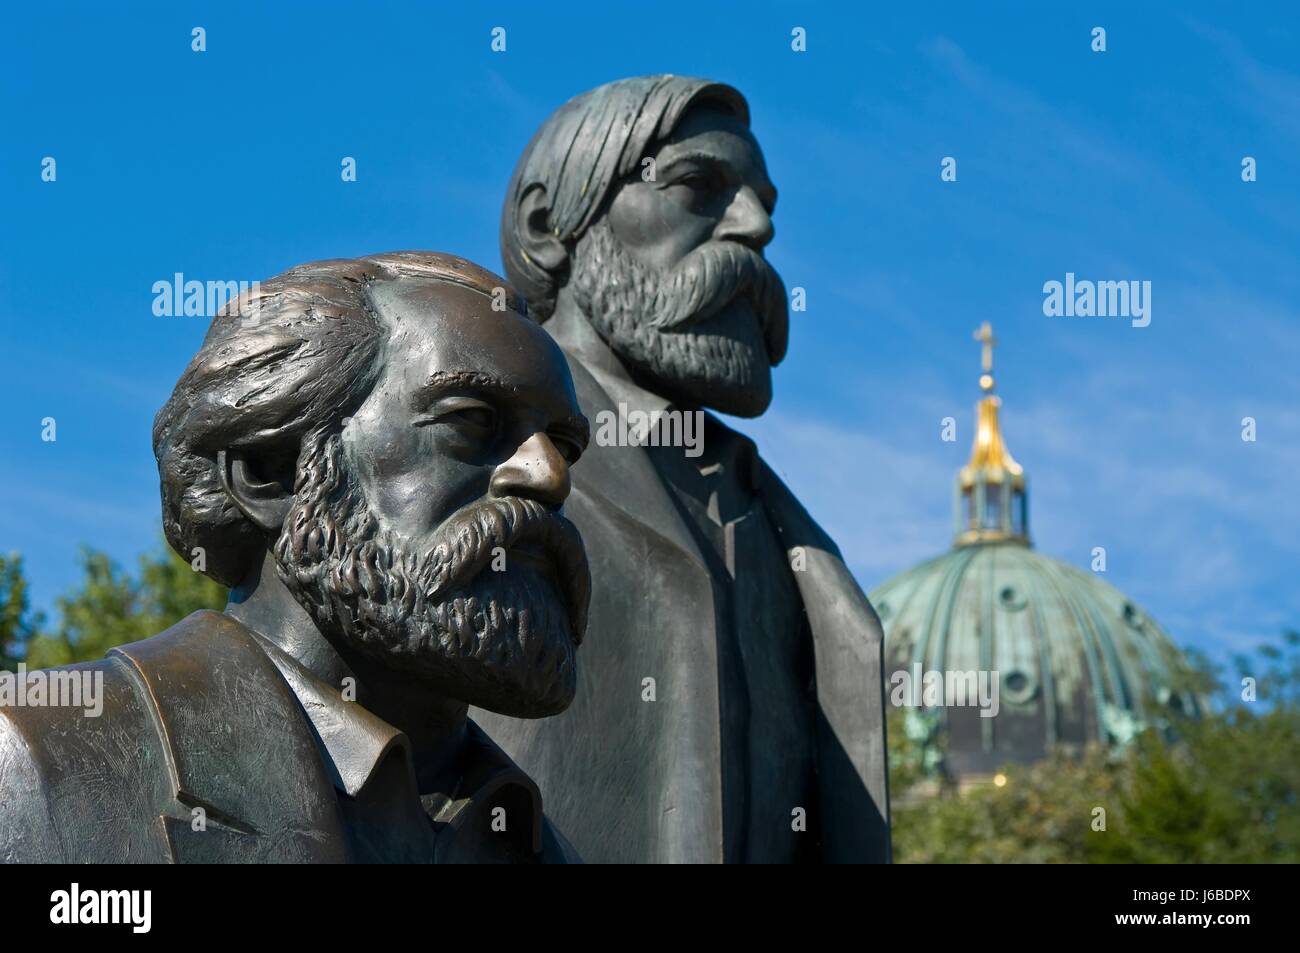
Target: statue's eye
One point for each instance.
(698, 188)
(698, 181)
(468, 415)
(482, 417)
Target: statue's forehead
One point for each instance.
(438, 325)
(706, 126)
(708, 132)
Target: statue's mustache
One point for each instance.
(468, 540)
(712, 276)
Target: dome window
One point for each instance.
(1019, 688)
(1011, 599)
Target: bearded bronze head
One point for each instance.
(644, 206)
(393, 434)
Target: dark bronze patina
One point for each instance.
(373, 454)
(731, 709)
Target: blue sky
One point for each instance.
(1116, 165)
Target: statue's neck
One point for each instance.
(572, 330)
(435, 724)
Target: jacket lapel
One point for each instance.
(847, 645)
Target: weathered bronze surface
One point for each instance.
(730, 708)
(374, 457)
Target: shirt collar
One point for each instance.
(356, 743)
(490, 779)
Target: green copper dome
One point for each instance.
(1074, 660)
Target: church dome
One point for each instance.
(1073, 658)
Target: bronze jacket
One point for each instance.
(215, 747)
(628, 781)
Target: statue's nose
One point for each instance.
(537, 471)
(746, 221)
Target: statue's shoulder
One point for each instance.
(34, 758)
(92, 764)
(71, 739)
(794, 523)
(192, 653)
(824, 579)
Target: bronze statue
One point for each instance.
(731, 709)
(373, 454)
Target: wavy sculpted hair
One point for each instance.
(583, 150)
(279, 369)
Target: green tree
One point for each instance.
(110, 607)
(17, 623)
(1044, 813)
(1227, 790)
(1226, 793)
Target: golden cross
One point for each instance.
(985, 336)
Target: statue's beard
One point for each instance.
(704, 333)
(503, 640)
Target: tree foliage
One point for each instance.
(17, 623)
(1227, 791)
(110, 607)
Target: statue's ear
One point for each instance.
(260, 484)
(539, 241)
